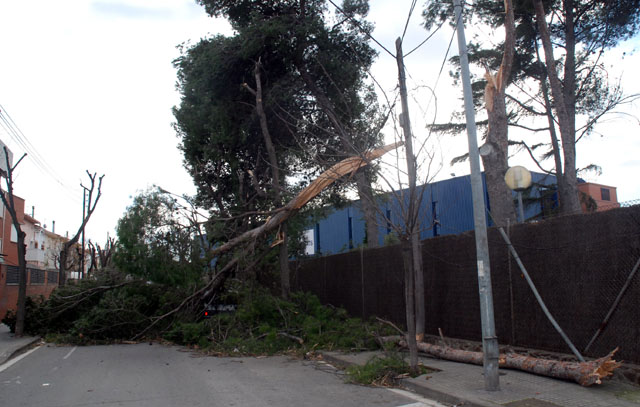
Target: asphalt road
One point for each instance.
(158, 376)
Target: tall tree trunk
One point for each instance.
(495, 158)
(64, 258)
(564, 101)
(285, 273)
(22, 284)
(368, 206)
(277, 185)
(552, 125)
(409, 296)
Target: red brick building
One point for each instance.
(39, 281)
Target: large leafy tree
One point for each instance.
(285, 95)
(157, 242)
(577, 35)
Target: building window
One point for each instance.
(606, 195)
(37, 276)
(13, 275)
(14, 234)
(36, 244)
(52, 277)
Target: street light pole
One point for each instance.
(489, 339)
(518, 179)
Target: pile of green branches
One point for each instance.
(111, 308)
(264, 324)
(108, 308)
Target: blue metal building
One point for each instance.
(445, 208)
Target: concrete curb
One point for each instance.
(418, 385)
(23, 347)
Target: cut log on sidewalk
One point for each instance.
(584, 373)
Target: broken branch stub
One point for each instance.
(347, 166)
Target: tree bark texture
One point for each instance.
(585, 373)
(285, 285)
(368, 207)
(285, 274)
(564, 101)
(64, 253)
(22, 283)
(409, 297)
(412, 219)
(495, 160)
(555, 145)
(9, 204)
(347, 166)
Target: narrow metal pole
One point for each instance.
(520, 207)
(539, 298)
(489, 339)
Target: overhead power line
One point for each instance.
(14, 132)
(365, 32)
(406, 25)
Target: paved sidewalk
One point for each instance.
(11, 346)
(463, 385)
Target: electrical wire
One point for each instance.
(425, 40)
(406, 25)
(365, 32)
(29, 148)
(13, 131)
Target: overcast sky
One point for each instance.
(91, 85)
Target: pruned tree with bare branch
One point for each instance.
(9, 203)
(94, 194)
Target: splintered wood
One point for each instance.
(347, 166)
(584, 373)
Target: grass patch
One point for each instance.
(383, 371)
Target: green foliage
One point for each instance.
(220, 132)
(156, 243)
(383, 371)
(101, 310)
(598, 26)
(391, 238)
(265, 324)
(110, 309)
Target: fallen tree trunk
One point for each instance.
(584, 373)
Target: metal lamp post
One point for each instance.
(518, 179)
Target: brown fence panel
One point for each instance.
(578, 263)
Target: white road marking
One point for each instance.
(420, 401)
(70, 352)
(17, 359)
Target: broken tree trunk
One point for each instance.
(347, 166)
(584, 373)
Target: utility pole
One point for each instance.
(489, 339)
(413, 221)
